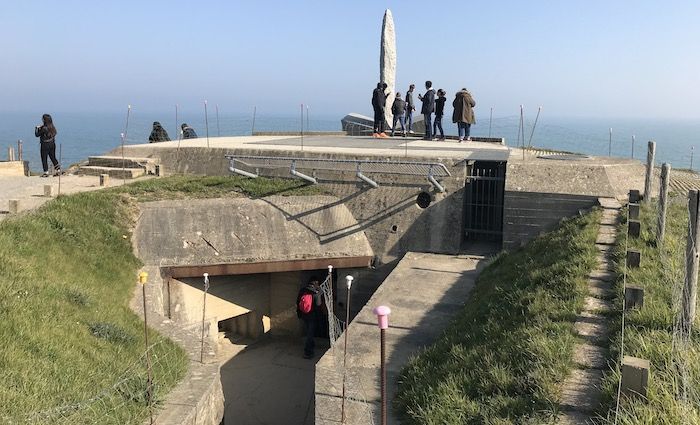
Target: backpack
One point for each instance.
(306, 302)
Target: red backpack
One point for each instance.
(306, 302)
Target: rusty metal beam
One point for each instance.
(267, 267)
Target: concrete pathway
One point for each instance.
(30, 190)
(267, 382)
(581, 391)
(424, 292)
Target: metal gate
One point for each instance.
(483, 202)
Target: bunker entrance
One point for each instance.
(483, 202)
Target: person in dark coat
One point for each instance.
(439, 111)
(46, 132)
(188, 132)
(410, 107)
(398, 109)
(158, 134)
(428, 108)
(463, 113)
(312, 318)
(379, 104)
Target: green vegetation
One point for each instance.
(71, 350)
(649, 331)
(503, 357)
(178, 187)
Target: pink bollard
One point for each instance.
(382, 313)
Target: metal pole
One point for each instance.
(610, 143)
(663, 203)
(529, 142)
(521, 131)
(307, 118)
(651, 152)
(179, 138)
(490, 119)
(692, 255)
(692, 148)
(633, 140)
(206, 121)
(348, 284)
(382, 313)
(60, 158)
(218, 130)
(204, 309)
(124, 136)
(255, 109)
(143, 278)
(302, 126)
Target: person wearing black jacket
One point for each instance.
(46, 132)
(398, 109)
(410, 107)
(158, 134)
(439, 112)
(379, 104)
(312, 318)
(428, 108)
(188, 132)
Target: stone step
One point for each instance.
(574, 418)
(581, 390)
(606, 239)
(596, 304)
(590, 356)
(116, 173)
(599, 288)
(602, 274)
(119, 162)
(592, 327)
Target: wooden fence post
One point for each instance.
(663, 203)
(690, 289)
(651, 152)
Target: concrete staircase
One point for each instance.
(118, 167)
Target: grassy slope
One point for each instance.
(649, 331)
(66, 275)
(502, 358)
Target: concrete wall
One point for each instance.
(14, 168)
(434, 229)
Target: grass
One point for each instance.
(649, 331)
(180, 187)
(70, 347)
(501, 360)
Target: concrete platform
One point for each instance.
(424, 292)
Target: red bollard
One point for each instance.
(382, 313)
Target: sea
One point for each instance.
(83, 134)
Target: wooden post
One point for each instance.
(635, 377)
(633, 258)
(20, 155)
(634, 196)
(690, 290)
(663, 203)
(634, 211)
(48, 190)
(651, 152)
(634, 297)
(13, 206)
(104, 179)
(634, 228)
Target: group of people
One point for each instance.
(432, 102)
(158, 134)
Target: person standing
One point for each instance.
(158, 134)
(379, 104)
(398, 109)
(188, 132)
(428, 108)
(410, 107)
(463, 113)
(439, 111)
(46, 132)
(309, 305)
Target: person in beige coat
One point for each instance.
(463, 113)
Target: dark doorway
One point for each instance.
(483, 202)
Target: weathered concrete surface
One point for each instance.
(387, 63)
(30, 190)
(14, 168)
(424, 292)
(242, 230)
(198, 399)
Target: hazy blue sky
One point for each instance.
(576, 58)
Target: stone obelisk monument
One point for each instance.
(387, 63)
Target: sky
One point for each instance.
(624, 59)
